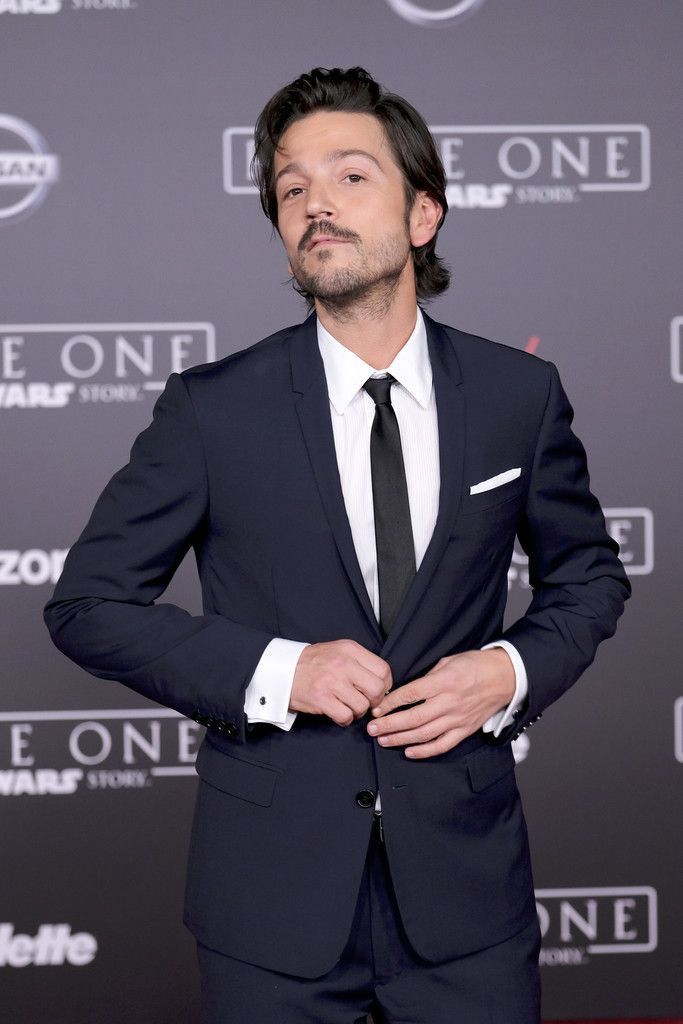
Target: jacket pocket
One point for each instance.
(475, 504)
(234, 775)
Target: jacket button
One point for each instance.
(366, 798)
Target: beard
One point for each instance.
(364, 285)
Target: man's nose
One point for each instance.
(320, 202)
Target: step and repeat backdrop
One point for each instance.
(132, 245)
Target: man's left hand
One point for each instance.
(455, 698)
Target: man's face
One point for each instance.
(342, 206)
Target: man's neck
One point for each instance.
(376, 339)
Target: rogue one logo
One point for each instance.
(58, 753)
(579, 923)
(429, 17)
(27, 168)
(47, 366)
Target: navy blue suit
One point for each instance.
(239, 463)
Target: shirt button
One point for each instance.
(366, 798)
(262, 700)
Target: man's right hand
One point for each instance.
(339, 679)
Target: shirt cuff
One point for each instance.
(496, 723)
(266, 698)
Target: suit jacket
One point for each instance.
(239, 464)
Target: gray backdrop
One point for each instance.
(130, 245)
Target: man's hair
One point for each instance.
(355, 91)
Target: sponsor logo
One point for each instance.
(48, 366)
(676, 341)
(52, 946)
(433, 17)
(56, 6)
(27, 168)
(678, 729)
(489, 166)
(577, 924)
(631, 528)
(34, 566)
(93, 750)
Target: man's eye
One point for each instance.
(294, 191)
(354, 178)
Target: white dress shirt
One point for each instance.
(352, 412)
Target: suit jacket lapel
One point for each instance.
(313, 409)
(450, 407)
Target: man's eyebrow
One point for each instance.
(292, 168)
(332, 157)
(341, 154)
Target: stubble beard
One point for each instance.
(363, 289)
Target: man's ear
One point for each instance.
(424, 219)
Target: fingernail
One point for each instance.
(372, 729)
(377, 711)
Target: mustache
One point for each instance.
(326, 227)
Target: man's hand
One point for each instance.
(339, 679)
(460, 693)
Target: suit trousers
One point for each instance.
(379, 973)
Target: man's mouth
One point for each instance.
(321, 240)
(324, 234)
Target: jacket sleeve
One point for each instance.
(578, 582)
(102, 614)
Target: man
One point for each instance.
(352, 488)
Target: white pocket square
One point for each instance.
(496, 481)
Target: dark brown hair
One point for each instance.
(355, 90)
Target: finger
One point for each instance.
(371, 662)
(354, 699)
(410, 718)
(409, 693)
(339, 712)
(367, 682)
(445, 742)
(424, 734)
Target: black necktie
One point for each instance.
(393, 532)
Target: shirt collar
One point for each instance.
(346, 372)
